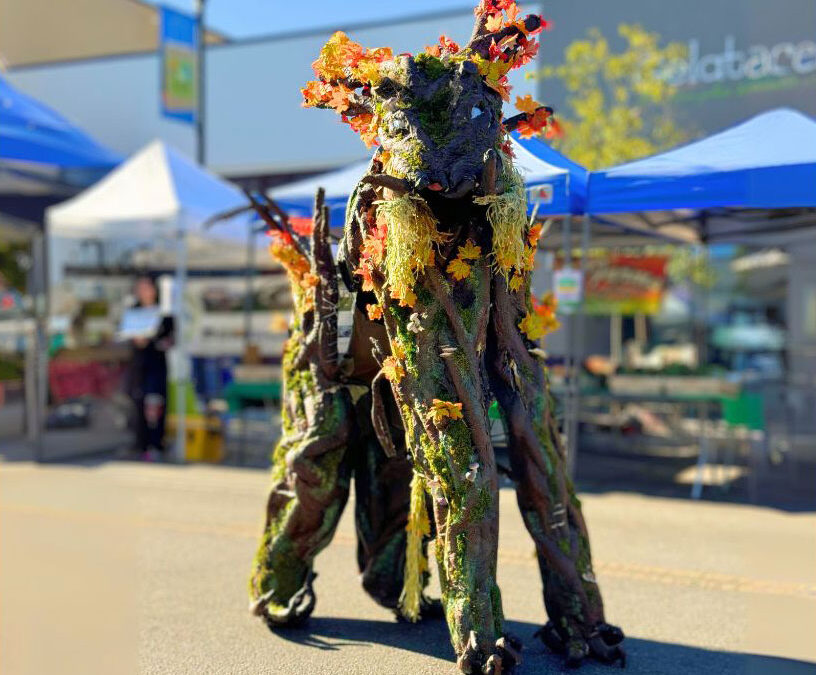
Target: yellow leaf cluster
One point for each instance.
(541, 320)
(617, 99)
(459, 268)
(443, 410)
(398, 350)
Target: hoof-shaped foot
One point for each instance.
(297, 611)
(603, 644)
(502, 661)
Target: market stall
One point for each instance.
(156, 195)
(753, 184)
(44, 158)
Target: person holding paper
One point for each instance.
(151, 335)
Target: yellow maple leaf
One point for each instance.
(441, 410)
(470, 251)
(493, 23)
(398, 350)
(527, 104)
(392, 370)
(458, 269)
(539, 322)
(515, 281)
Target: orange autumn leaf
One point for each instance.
(541, 320)
(373, 249)
(374, 312)
(408, 299)
(534, 234)
(512, 13)
(364, 272)
(309, 280)
(392, 370)
(443, 410)
(554, 130)
(458, 269)
(315, 93)
(535, 123)
(339, 99)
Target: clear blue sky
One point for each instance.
(246, 18)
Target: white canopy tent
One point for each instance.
(157, 193)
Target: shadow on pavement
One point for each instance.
(787, 488)
(645, 657)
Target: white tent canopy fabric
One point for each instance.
(156, 191)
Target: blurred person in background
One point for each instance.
(148, 374)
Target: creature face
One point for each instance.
(437, 115)
(437, 119)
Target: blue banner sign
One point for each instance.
(178, 44)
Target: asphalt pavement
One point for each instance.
(118, 567)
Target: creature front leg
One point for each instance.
(438, 382)
(546, 496)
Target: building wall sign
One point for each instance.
(753, 63)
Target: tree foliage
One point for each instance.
(617, 101)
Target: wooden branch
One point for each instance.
(379, 418)
(511, 123)
(398, 185)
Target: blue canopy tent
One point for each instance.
(32, 132)
(541, 165)
(43, 158)
(725, 187)
(753, 183)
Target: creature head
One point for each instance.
(437, 116)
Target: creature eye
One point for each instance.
(398, 125)
(475, 112)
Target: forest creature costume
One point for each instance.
(439, 250)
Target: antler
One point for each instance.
(481, 39)
(326, 291)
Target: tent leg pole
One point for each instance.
(248, 307)
(182, 369)
(40, 347)
(580, 347)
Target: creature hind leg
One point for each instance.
(311, 484)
